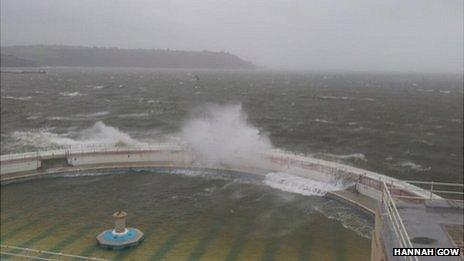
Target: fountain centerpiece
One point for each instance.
(120, 237)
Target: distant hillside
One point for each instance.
(13, 61)
(58, 55)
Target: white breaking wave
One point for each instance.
(59, 118)
(413, 166)
(40, 138)
(80, 116)
(71, 94)
(133, 115)
(425, 90)
(223, 135)
(95, 114)
(34, 116)
(329, 97)
(321, 120)
(353, 156)
(99, 133)
(23, 98)
(299, 185)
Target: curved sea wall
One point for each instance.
(16, 167)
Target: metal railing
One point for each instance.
(396, 223)
(388, 205)
(85, 148)
(447, 190)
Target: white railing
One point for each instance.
(445, 189)
(285, 159)
(396, 222)
(86, 148)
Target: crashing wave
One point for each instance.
(99, 133)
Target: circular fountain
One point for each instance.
(120, 237)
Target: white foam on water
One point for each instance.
(425, 90)
(81, 116)
(22, 98)
(93, 115)
(71, 94)
(329, 97)
(413, 166)
(353, 156)
(299, 185)
(99, 133)
(60, 118)
(40, 138)
(321, 120)
(34, 116)
(133, 115)
(426, 142)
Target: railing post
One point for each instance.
(431, 190)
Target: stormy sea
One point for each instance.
(405, 126)
(408, 126)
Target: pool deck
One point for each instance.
(440, 221)
(354, 198)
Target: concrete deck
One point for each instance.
(354, 198)
(427, 221)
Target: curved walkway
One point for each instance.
(366, 191)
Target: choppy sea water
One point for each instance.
(405, 126)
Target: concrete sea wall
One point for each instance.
(43, 163)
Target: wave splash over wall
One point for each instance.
(218, 136)
(222, 135)
(299, 185)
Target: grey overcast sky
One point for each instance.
(367, 35)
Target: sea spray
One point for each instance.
(219, 136)
(222, 135)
